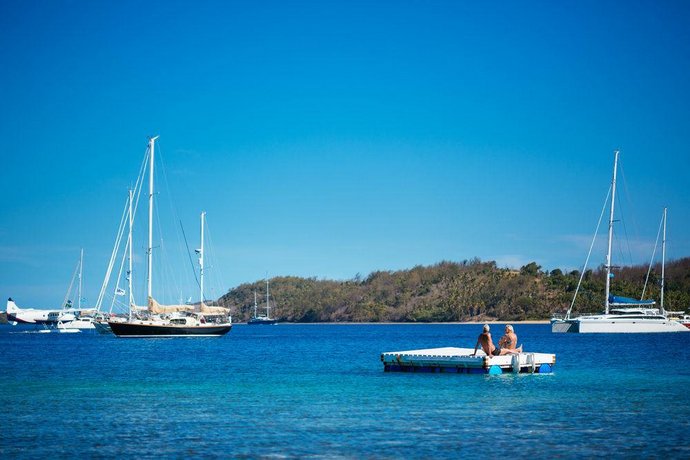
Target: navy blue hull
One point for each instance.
(147, 330)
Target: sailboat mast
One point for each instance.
(149, 249)
(81, 266)
(201, 260)
(129, 255)
(268, 308)
(663, 264)
(608, 254)
(255, 305)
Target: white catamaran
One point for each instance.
(168, 320)
(621, 314)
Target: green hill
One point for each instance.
(455, 291)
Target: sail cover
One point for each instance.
(155, 307)
(618, 300)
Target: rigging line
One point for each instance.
(69, 289)
(140, 179)
(626, 236)
(119, 273)
(631, 216)
(173, 211)
(649, 270)
(189, 254)
(118, 238)
(591, 246)
(216, 272)
(122, 307)
(113, 255)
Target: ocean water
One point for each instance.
(304, 391)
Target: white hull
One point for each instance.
(81, 324)
(602, 324)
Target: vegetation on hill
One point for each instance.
(470, 290)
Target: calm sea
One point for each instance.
(320, 391)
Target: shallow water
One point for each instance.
(320, 391)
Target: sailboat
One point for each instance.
(158, 320)
(75, 320)
(262, 319)
(621, 314)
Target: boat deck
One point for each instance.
(461, 361)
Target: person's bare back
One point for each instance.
(485, 341)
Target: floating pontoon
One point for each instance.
(461, 361)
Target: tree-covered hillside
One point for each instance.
(456, 291)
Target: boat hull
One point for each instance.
(607, 324)
(76, 324)
(261, 321)
(136, 330)
(102, 327)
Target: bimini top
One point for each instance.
(617, 300)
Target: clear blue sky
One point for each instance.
(328, 139)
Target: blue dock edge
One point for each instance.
(492, 370)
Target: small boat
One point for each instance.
(621, 314)
(79, 323)
(262, 319)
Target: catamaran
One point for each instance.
(621, 314)
(158, 320)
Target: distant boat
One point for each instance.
(262, 319)
(167, 320)
(76, 319)
(621, 314)
(80, 323)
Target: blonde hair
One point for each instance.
(509, 327)
(486, 328)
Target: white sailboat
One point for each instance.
(75, 320)
(266, 319)
(621, 314)
(158, 320)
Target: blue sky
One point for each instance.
(327, 139)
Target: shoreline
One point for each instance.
(350, 323)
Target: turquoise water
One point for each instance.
(320, 391)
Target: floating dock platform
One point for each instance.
(461, 361)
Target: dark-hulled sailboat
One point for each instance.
(258, 319)
(168, 320)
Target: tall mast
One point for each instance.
(201, 260)
(149, 249)
(81, 266)
(255, 306)
(129, 255)
(267, 304)
(663, 264)
(608, 254)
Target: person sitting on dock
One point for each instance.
(488, 345)
(508, 342)
(485, 340)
